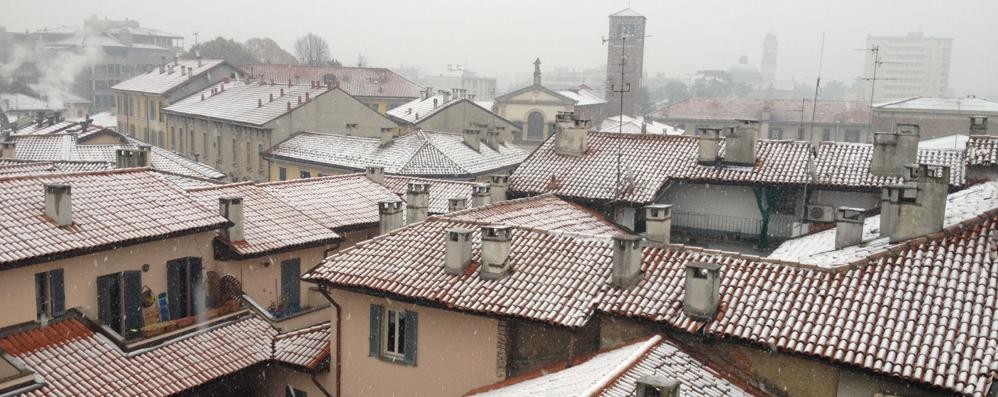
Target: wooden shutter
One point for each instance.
(411, 323)
(131, 305)
(290, 285)
(57, 288)
(40, 294)
(197, 289)
(176, 289)
(374, 337)
(107, 297)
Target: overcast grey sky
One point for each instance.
(502, 38)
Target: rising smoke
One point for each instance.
(58, 67)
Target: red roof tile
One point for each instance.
(336, 202)
(545, 211)
(307, 347)
(441, 190)
(145, 207)
(982, 150)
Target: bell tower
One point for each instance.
(627, 38)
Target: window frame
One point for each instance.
(50, 294)
(398, 329)
(405, 335)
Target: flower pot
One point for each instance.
(185, 322)
(150, 332)
(169, 326)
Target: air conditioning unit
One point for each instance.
(820, 213)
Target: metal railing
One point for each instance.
(781, 226)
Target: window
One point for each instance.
(173, 138)
(259, 158)
(775, 133)
(249, 156)
(800, 134)
(162, 140)
(119, 302)
(282, 174)
(393, 335)
(851, 135)
(304, 174)
(535, 126)
(291, 285)
(50, 294)
(218, 147)
(184, 287)
(826, 134)
(292, 392)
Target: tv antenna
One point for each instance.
(623, 89)
(817, 90)
(877, 61)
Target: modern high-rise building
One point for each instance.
(626, 49)
(767, 67)
(910, 65)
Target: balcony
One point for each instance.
(781, 226)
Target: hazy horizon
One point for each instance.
(502, 39)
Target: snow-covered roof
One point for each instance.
(819, 248)
(172, 76)
(583, 96)
(250, 103)
(16, 102)
(969, 104)
(637, 125)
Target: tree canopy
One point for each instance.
(220, 48)
(266, 50)
(313, 50)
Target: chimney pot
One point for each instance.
(289, 106)
(306, 96)
(626, 260)
(387, 134)
(917, 206)
(492, 139)
(848, 226)
(709, 143)
(498, 186)
(702, 290)
(389, 216)
(271, 97)
(893, 150)
(658, 223)
(480, 195)
(458, 250)
(59, 203)
(202, 96)
(231, 208)
(739, 147)
(417, 202)
(473, 139)
(299, 100)
(132, 158)
(979, 125)
(259, 103)
(572, 136)
(496, 246)
(455, 204)
(375, 173)
(8, 150)
(282, 92)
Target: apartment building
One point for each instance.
(230, 125)
(139, 101)
(908, 66)
(938, 117)
(379, 88)
(451, 111)
(458, 77)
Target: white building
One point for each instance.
(910, 65)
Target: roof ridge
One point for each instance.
(427, 146)
(629, 362)
(219, 186)
(313, 179)
(50, 175)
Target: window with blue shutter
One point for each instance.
(185, 287)
(393, 335)
(410, 338)
(119, 302)
(57, 287)
(108, 301)
(374, 337)
(50, 294)
(131, 303)
(291, 286)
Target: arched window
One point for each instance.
(535, 126)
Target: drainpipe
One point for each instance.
(322, 389)
(323, 290)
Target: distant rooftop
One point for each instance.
(160, 81)
(968, 105)
(359, 82)
(249, 103)
(845, 112)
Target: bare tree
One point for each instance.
(312, 50)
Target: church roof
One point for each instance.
(627, 12)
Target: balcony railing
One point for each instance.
(781, 226)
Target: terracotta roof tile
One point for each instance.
(306, 347)
(982, 150)
(355, 204)
(441, 190)
(154, 208)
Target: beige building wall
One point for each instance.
(261, 277)
(81, 272)
(277, 379)
(518, 108)
(466, 115)
(455, 352)
(932, 124)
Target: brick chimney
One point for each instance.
(979, 125)
(917, 206)
(709, 140)
(626, 260)
(702, 290)
(498, 186)
(740, 142)
(473, 139)
(8, 150)
(572, 136)
(417, 202)
(658, 223)
(231, 208)
(375, 173)
(456, 204)
(59, 203)
(892, 151)
(458, 250)
(496, 246)
(389, 216)
(480, 195)
(848, 226)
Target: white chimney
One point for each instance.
(702, 292)
(739, 146)
(498, 186)
(658, 223)
(389, 216)
(572, 137)
(457, 204)
(231, 208)
(916, 207)
(417, 202)
(848, 226)
(132, 158)
(473, 139)
(8, 150)
(458, 250)
(480, 195)
(979, 125)
(59, 203)
(387, 134)
(709, 140)
(626, 260)
(375, 173)
(492, 139)
(892, 151)
(496, 246)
